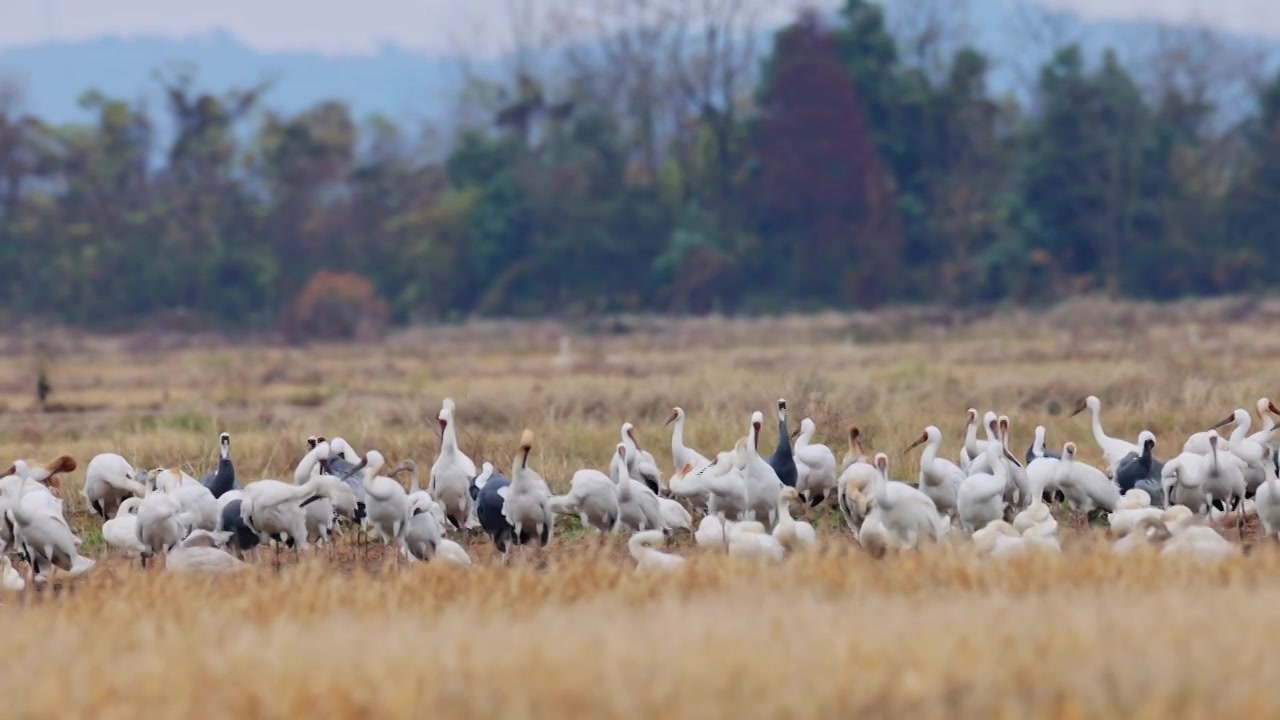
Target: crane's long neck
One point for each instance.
(449, 438)
(303, 471)
(999, 467)
(621, 479)
(805, 437)
(784, 510)
(930, 453)
(1099, 435)
(677, 441)
(1064, 468)
(1242, 429)
(518, 463)
(971, 439)
(338, 445)
(414, 483)
(637, 545)
(318, 485)
(991, 434)
(784, 438)
(880, 487)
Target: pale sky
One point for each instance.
(359, 26)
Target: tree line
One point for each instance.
(670, 166)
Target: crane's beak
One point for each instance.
(1009, 456)
(1227, 421)
(919, 441)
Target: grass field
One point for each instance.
(573, 631)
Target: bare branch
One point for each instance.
(627, 69)
(1040, 32)
(716, 52)
(1205, 67)
(929, 32)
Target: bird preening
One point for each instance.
(734, 501)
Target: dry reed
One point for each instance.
(574, 632)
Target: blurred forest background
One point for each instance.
(683, 161)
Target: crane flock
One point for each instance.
(743, 501)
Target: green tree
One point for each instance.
(1253, 225)
(1092, 201)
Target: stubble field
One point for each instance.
(573, 631)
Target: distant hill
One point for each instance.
(405, 84)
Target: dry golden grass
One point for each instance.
(574, 632)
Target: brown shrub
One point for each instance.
(336, 306)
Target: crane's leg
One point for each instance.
(31, 577)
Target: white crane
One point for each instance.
(319, 514)
(1182, 481)
(643, 547)
(940, 478)
(682, 454)
(901, 517)
(108, 480)
(202, 551)
(980, 498)
(452, 472)
(527, 500)
(424, 537)
(386, 502)
(121, 532)
(162, 523)
(593, 497)
(725, 483)
(645, 467)
(638, 506)
(276, 510)
(792, 534)
(1224, 477)
(815, 466)
(1086, 487)
(1113, 449)
(761, 480)
(46, 540)
(1267, 500)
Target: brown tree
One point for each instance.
(822, 190)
